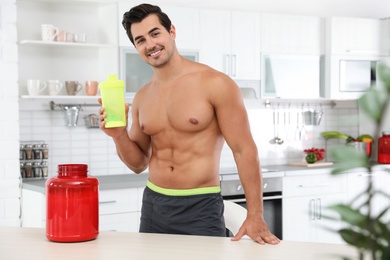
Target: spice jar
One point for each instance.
(384, 148)
(28, 151)
(28, 170)
(45, 151)
(36, 167)
(72, 205)
(22, 152)
(37, 154)
(44, 169)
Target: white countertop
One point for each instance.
(31, 243)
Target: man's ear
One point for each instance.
(172, 32)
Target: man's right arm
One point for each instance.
(134, 152)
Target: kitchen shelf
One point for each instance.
(70, 44)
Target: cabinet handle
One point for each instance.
(314, 185)
(318, 204)
(227, 64)
(107, 202)
(234, 65)
(312, 209)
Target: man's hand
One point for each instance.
(114, 132)
(256, 229)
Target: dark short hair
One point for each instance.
(140, 12)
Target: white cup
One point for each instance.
(55, 86)
(49, 32)
(35, 87)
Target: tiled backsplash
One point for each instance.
(90, 145)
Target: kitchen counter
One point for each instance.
(132, 180)
(31, 243)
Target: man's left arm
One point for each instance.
(234, 124)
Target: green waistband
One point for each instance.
(184, 192)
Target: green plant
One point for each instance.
(369, 233)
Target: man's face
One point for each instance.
(154, 44)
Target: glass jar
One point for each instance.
(28, 170)
(45, 151)
(37, 153)
(36, 168)
(384, 148)
(28, 151)
(22, 155)
(72, 205)
(44, 169)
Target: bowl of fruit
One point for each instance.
(314, 155)
(361, 143)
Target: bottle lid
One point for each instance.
(112, 81)
(72, 170)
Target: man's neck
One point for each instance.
(170, 70)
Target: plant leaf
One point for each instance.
(354, 238)
(386, 253)
(349, 215)
(384, 75)
(347, 158)
(372, 103)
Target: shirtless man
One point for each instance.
(180, 120)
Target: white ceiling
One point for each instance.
(323, 8)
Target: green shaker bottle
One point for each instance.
(112, 92)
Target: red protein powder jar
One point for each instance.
(72, 205)
(384, 148)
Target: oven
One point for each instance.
(231, 189)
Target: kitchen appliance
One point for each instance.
(232, 190)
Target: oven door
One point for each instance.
(272, 204)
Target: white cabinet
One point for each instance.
(231, 43)
(357, 184)
(292, 34)
(89, 60)
(119, 209)
(305, 201)
(185, 20)
(355, 36)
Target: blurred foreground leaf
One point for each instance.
(347, 158)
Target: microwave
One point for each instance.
(135, 72)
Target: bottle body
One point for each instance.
(384, 148)
(72, 205)
(112, 92)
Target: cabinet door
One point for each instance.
(357, 184)
(355, 35)
(303, 219)
(245, 45)
(297, 219)
(292, 34)
(215, 35)
(186, 22)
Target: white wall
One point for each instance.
(9, 131)
(90, 145)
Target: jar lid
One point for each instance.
(72, 169)
(386, 133)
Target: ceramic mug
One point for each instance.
(54, 86)
(91, 88)
(73, 87)
(61, 36)
(49, 32)
(35, 87)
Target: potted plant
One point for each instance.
(368, 232)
